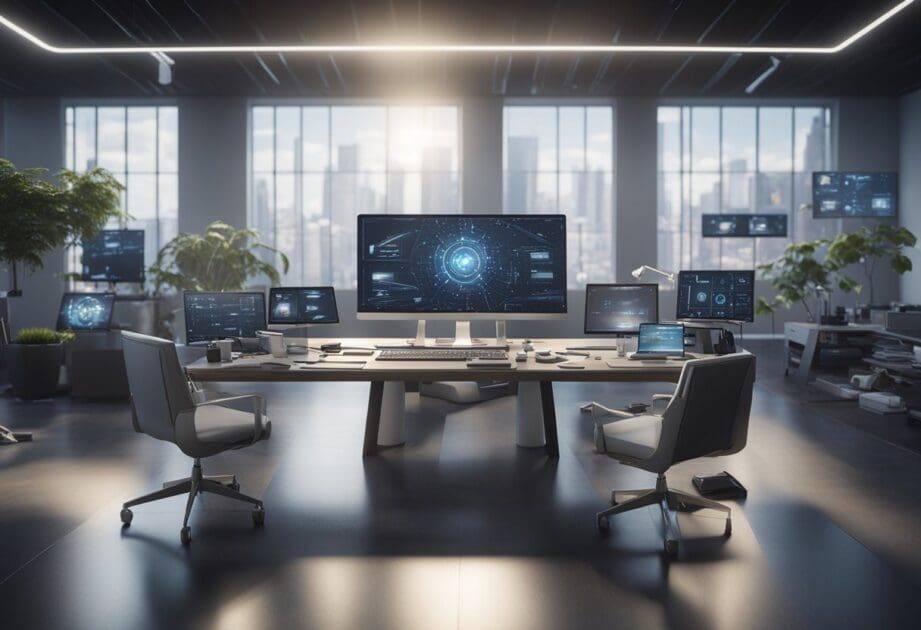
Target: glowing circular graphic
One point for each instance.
(720, 299)
(464, 261)
(701, 296)
(88, 312)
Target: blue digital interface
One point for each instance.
(716, 295)
(86, 311)
(838, 194)
(212, 316)
(114, 256)
(303, 305)
(664, 338)
(462, 264)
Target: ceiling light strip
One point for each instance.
(460, 48)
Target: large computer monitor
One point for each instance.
(619, 309)
(83, 312)
(837, 194)
(114, 256)
(716, 295)
(462, 267)
(302, 305)
(210, 316)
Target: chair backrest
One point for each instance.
(709, 413)
(159, 389)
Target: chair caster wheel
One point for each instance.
(258, 516)
(185, 535)
(127, 515)
(671, 548)
(728, 531)
(235, 486)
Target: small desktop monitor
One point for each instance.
(838, 194)
(716, 295)
(462, 267)
(114, 256)
(86, 311)
(210, 316)
(620, 309)
(302, 305)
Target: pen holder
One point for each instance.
(213, 354)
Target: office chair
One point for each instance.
(201, 424)
(707, 416)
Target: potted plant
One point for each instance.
(38, 216)
(799, 277)
(35, 356)
(868, 247)
(222, 259)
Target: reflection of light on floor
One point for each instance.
(803, 469)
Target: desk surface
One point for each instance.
(596, 369)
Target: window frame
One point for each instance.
(558, 103)
(72, 256)
(831, 105)
(330, 104)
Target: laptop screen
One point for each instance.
(663, 338)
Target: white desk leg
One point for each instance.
(529, 415)
(392, 431)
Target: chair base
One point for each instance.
(223, 485)
(669, 502)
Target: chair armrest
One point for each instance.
(257, 409)
(661, 397)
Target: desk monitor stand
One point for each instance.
(461, 339)
(702, 329)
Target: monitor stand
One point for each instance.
(461, 339)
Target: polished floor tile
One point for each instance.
(459, 528)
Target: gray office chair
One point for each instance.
(707, 416)
(201, 424)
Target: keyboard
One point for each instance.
(440, 354)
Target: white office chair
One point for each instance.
(164, 406)
(706, 417)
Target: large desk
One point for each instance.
(536, 412)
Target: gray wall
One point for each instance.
(33, 136)
(212, 184)
(910, 187)
(212, 162)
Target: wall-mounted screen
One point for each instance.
(729, 225)
(838, 194)
(716, 295)
(114, 256)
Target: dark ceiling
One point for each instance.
(886, 62)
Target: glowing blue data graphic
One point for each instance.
(86, 311)
(462, 264)
(303, 305)
(716, 295)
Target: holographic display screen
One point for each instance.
(86, 311)
(114, 256)
(716, 295)
(462, 264)
(837, 194)
(302, 305)
(619, 309)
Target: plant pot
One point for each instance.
(34, 369)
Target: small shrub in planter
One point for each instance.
(35, 358)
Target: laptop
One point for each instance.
(660, 341)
